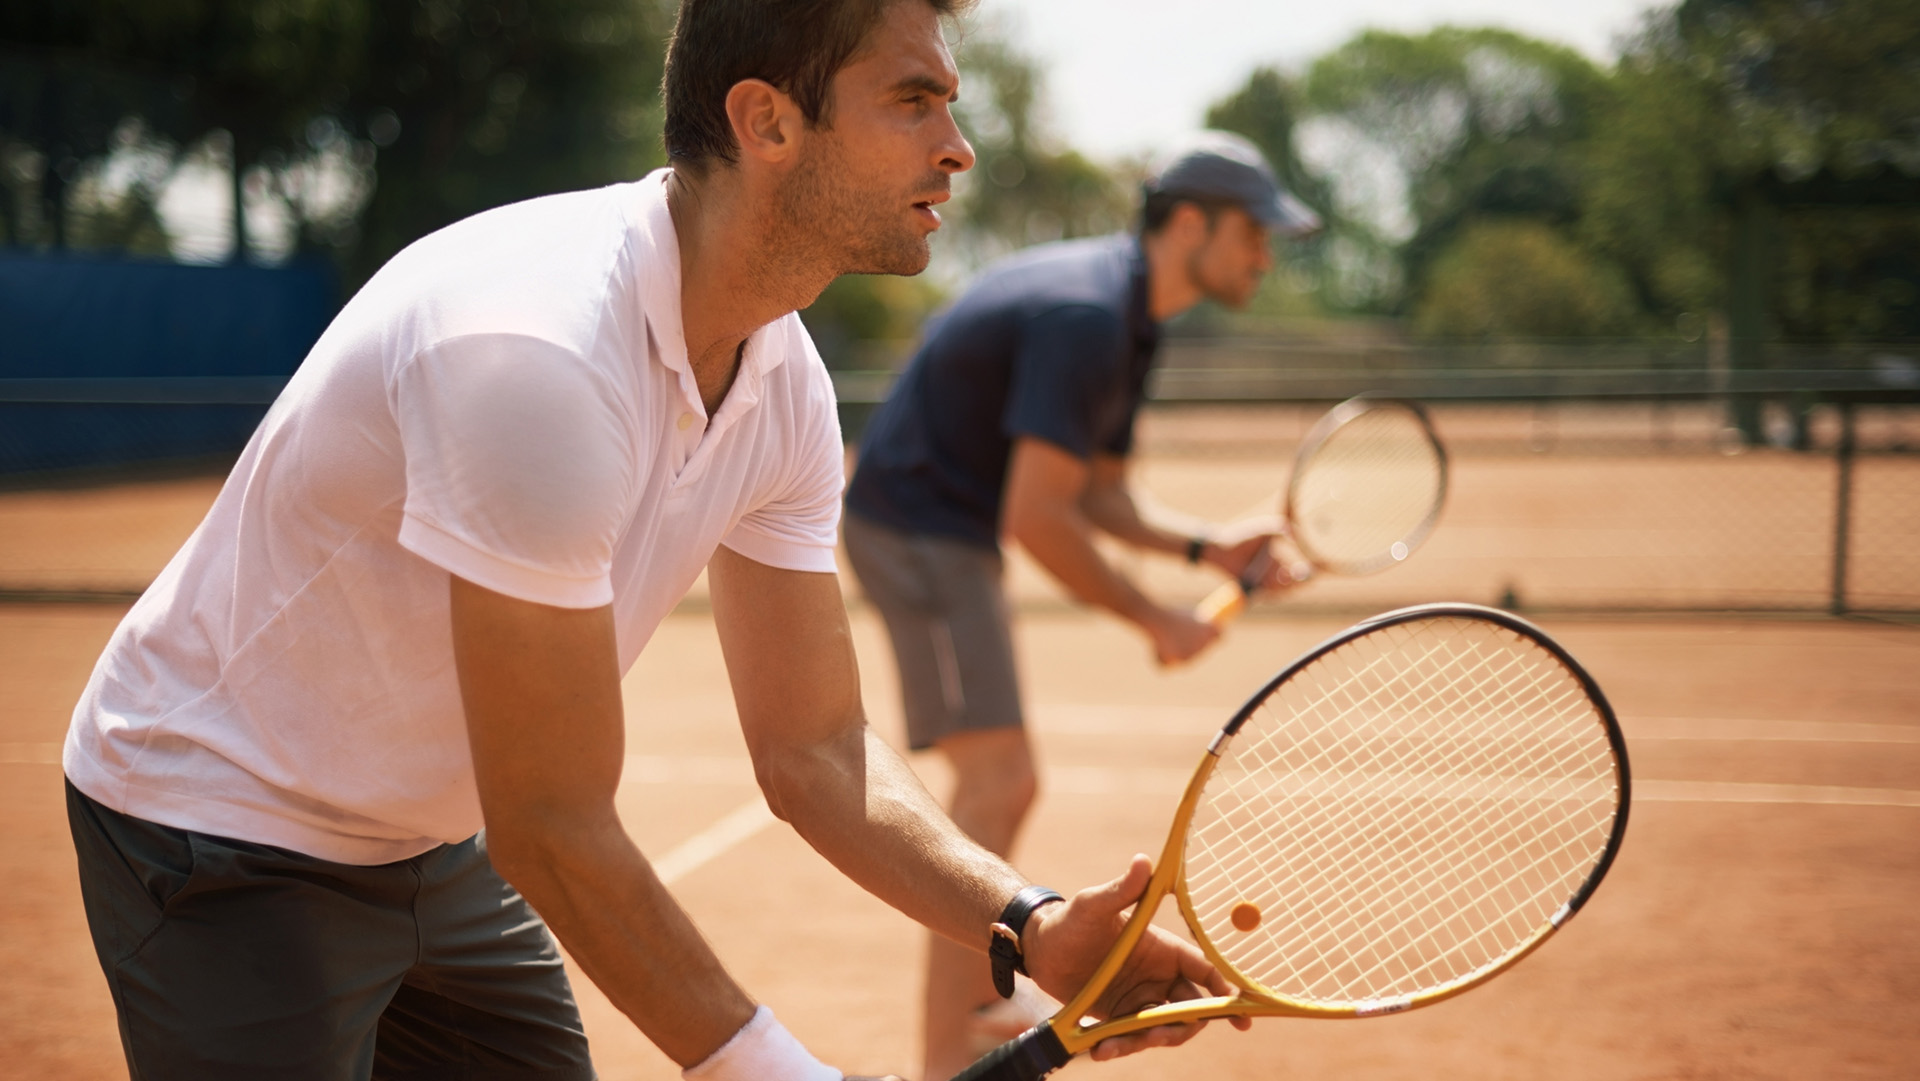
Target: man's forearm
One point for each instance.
(1060, 538)
(860, 806)
(1136, 522)
(604, 902)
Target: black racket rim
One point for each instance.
(1334, 420)
(1462, 610)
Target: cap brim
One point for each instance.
(1287, 215)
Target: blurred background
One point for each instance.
(1653, 269)
(1616, 233)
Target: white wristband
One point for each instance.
(763, 1050)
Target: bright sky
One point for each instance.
(1124, 75)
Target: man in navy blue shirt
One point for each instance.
(1016, 417)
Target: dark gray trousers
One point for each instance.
(235, 960)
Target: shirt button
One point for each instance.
(686, 421)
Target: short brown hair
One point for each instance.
(1156, 207)
(796, 45)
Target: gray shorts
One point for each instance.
(946, 613)
(235, 960)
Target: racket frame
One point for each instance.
(1169, 873)
(1231, 598)
(1322, 431)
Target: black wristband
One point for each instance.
(1003, 944)
(1196, 547)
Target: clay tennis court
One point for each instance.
(1757, 925)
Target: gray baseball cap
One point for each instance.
(1220, 166)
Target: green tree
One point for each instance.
(1650, 199)
(437, 109)
(1807, 104)
(1027, 187)
(475, 103)
(1517, 278)
(1424, 135)
(1266, 109)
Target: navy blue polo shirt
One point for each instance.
(1054, 343)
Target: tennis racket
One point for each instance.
(1401, 814)
(1367, 487)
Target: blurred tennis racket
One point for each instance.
(1401, 814)
(1367, 488)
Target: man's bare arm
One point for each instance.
(542, 693)
(790, 657)
(1044, 511)
(796, 684)
(1112, 505)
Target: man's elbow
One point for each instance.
(1028, 521)
(530, 848)
(796, 779)
(521, 855)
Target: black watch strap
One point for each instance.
(1003, 946)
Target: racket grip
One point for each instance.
(1222, 605)
(1029, 1056)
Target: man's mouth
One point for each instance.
(925, 207)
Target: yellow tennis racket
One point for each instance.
(1367, 487)
(1399, 815)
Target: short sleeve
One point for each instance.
(519, 469)
(1067, 379)
(799, 526)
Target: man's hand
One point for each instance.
(1064, 943)
(1177, 636)
(1250, 552)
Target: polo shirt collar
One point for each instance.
(658, 255)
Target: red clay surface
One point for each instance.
(1758, 924)
(1765, 937)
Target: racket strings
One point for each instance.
(1373, 483)
(1402, 861)
(1415, 872)
(1405, 812)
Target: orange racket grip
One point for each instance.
(1223, 605)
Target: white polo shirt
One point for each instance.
(508, 400)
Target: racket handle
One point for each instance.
(1222, 605)
(1029, 1056)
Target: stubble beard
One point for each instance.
(835, 221)
(1219, 288)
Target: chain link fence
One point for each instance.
(1592, 486)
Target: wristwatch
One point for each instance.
(1196, 547)
(1003, 944)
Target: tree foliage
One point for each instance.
(453, 105)
(1421, 135)
(1813, 105)
(1026, 186)
(1518, 278)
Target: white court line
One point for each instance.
(1123, 720)
(29, 754)
(1652, 791)
(747, 820)
(687, 769)
(713, 842)
(733, 828)
(1098, 781)
(690, 855)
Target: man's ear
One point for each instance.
(766, 123)
(1188, 223)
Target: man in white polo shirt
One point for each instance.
(407, 615)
